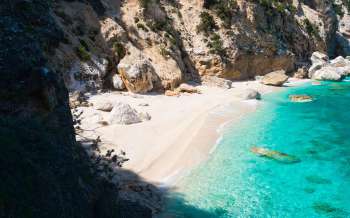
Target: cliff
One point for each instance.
(44, 172)
(178, 41)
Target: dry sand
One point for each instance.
(182, 132)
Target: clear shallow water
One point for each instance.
(236, 183)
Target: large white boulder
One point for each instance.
(318, 61)
(318, 57)
(137, 75)
(123, 113)
(340, 62)
(328, 73)
(276, 78)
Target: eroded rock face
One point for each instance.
(123, 113)
(137, 75)
(276, 78)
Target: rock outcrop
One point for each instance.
(276, 78)
(44, 171)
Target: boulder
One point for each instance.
(300, 98)
(103, 106)
(318, 60)
(216, 81)
(339, 62)
(249, 94)
(122, 113)
(171, 93)
(314, 68)
(276, 78)
(328, 73)
(187, 88)
(301, 73)
(118, 83)
(318, 57)
(137, 76)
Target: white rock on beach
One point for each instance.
(318, 60)
(103, 106)
(328, 73)
(249, 94)
(339, 62)
(123, 113)
(276, 78)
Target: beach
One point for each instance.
(182, 130)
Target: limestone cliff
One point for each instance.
(191, 39)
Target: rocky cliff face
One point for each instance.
(44, 173)
(190, 40)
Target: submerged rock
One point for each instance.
(323, 207)
(275, 155)
(276, 78)
(318, 180)
(300, 98)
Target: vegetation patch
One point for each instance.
(207, 23)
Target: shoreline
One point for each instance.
(182, 133)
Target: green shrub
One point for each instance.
(207, 24)
(216, 45)
(311, 29)
(83, 54)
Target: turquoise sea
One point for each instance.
(234, 182)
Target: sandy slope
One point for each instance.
(180, 134)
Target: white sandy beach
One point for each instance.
(182, 132)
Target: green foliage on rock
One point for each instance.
(207, 24)
(311, 29)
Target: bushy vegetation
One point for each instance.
(207, 24)
(224, 9)
(216, 45)
(272, 6)
(311, 29)
(83, 51)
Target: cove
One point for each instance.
(235, 182)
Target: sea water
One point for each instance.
(235, 182)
